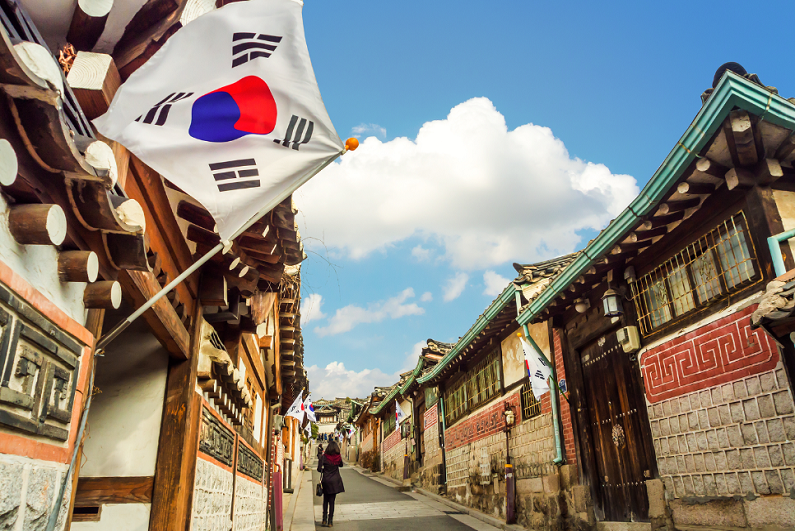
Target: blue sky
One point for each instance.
(403, 221)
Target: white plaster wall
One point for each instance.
(124, 421)
(118, 517)
(513, 367)
(38, 265)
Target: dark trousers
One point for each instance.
(328, 505)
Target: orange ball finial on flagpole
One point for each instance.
(351, 144)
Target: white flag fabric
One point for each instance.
(400, 415)
(537, 369)
(309, 409)
(229, 110)
(297, 408)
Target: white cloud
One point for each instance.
(421, 253)
(336, 381)
(311, 309)
(494, 283)
(345, 319)
(454, 286)
(371, 129)
(426, 297)
(485, 194)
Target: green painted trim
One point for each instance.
(496, 306)
(733, 92)
(387, 399)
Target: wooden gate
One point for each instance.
(621, 453)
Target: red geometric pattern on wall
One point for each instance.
(720, 352)
(391, 440)
(487, 422)
(431, 417)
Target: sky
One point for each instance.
(491, 133)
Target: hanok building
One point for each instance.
(184, 427)
(684, 413)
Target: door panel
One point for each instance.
(622, 462)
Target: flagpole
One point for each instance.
(119, 328)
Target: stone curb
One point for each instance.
(495, 522)
(290, 512)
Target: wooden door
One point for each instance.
(614, 411)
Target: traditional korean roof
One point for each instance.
(700, 162)
(776, 310)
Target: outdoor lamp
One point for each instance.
(509, 416)
(581, 305)
(612, 302)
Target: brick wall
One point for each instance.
(391, 440)
(484, 423)
(212, 497)
(565, 411)
(737, 438)
(433, 452)
(367, 444)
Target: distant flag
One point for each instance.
(229, 110)
(309, 409)
(297, 408)
(400, 415)
(537, 369)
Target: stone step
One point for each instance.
(623, 526)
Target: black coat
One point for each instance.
(332, 480)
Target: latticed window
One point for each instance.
(477, 387)
(531, 407)
(389, 422)
(720, 262)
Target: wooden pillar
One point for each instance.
(179, 438)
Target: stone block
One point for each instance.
(788, 479)
(760, 483)
(690, 466)
(747, 457)
(776, 431)
(663, 444)
(568, 476)
(767, 381)
(706, 398)
(698, 460)
(703, 419)
(673, 422)
(701, 438)
(673, 445)
(781, 378)
(674, 406)
(684, 404)
(720, 484)
(656, 494)
(739, 390)
(774, 482)
(551, 483)
(737, 411)
(778, 511)
(535, 485)
(717, 397)
(732, 483)
(751, 409)
(698, 485)
(728, 392)
(695, 402)
(709, 462)
(42, 487)
(735, 436)
(733, 459)
(665, 428)
(789, 427)
(666, 406)
(766, 408)
(724, 413)
(682, 440)
(749, 434)
(723, 438)
(688, 482)
(762, 457)
(680, 464)
(752, 384)
(679, 487)
(657, 411)
(714, 417)
(709, 485)
(788, 449)
(723, 513)
(655, 428)
(580, 497)
(783, 403)
(746, 484)
(11, 487)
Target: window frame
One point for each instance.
(471, 390)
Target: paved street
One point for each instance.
(371, 503)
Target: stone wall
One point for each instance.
(393, 451)
(431, 475)
(249, 505)
(212, 497)
(723, 425)
(28, 489)
(533, 447)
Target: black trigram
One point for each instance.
(159, 113)
(539, 374)
(295, 132)
(248, 46)
(224, 172)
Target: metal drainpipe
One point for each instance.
(442, 438)
(559, 459)
(775, 251)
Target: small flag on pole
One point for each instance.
(309, 409)
(297, 408)
(400, 415)
(229, 110)
(537, 369)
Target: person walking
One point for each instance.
(329, 467)
(319, 452)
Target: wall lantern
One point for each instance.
(612, 302)
(509, 416)
(581, 305)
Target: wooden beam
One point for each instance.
(126, 489)
(37, 224)
(740, 178)
(710, 167)
(88, 23)
(196, 215)
(742, 131)
(94, 80)
(641, 235)
(768, 171)
(670, 207)
(163, 320)
(663, 220)
(179, 440)
(695, 188)
(105, 294)
(212, 287)
(787, 149)
(146, 33)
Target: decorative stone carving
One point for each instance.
(216, 440)
(249, 463)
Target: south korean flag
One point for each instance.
(229, 110)
(538, 369)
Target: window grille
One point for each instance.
(389, 422)
(477, 387)
(716, 264)
(531, 407)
